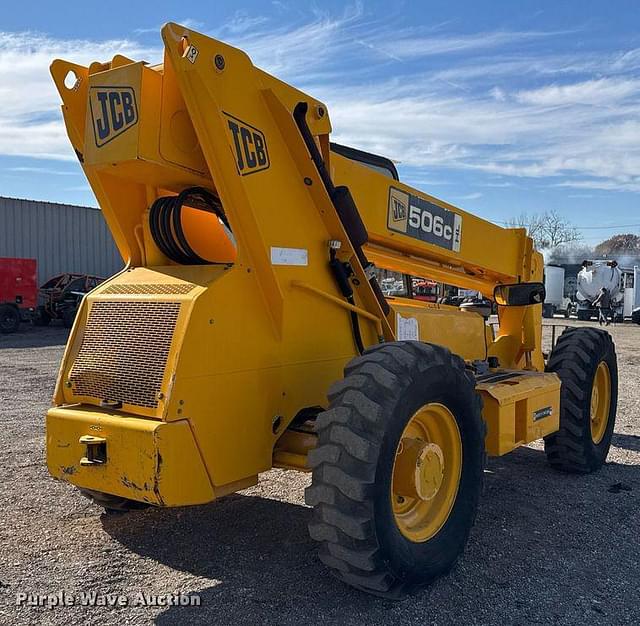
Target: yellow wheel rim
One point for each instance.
(426, 472)
(600, 402)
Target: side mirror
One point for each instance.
(519, 294)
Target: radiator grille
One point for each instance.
(151, 289)
(124, 351)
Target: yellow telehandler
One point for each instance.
(249, 295)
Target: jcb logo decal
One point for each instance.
(399, 210)
(418, 218)
(249, 146)
(398, 207)
(113, 110)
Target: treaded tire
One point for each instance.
(9, 319)
(41, 317)
(575, 358)
(111, 503)
(69, 316)
(352, 466)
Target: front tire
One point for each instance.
(585, 360)
(398, 469)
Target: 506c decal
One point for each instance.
(249, 146)
(424, 220)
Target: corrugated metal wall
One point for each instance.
(62, 237)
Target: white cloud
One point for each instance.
(629, 60)
(632, 185)
(491, 102)
(602, 91)
(498, 184)
(30, 124)
(42, 170)
(242, 22)
(468, 196)
(498, 94)
(407, 45)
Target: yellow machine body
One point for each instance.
(179, 382)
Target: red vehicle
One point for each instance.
(426, 290)
(18, 292)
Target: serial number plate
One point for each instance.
(424, 220)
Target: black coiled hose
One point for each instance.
(166, 224)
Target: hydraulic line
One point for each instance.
(342, 272)
(166, 224)
(351, 220)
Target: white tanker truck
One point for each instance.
(591, 278)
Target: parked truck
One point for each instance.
(555, 300)
(593, 276)
(18, 292)
(631, 295)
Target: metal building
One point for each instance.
(62, 237)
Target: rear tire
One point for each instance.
(581, 358)
(111, 503)
(361, 535)
(69, 316)
(41, 317)
(9, 319)
(584, 316)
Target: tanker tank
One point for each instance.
(593, 276)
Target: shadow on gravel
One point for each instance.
(35, 337)
(541, 538)
(628, 442)
(258, 549)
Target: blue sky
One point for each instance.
(500, 107)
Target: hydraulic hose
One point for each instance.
(166, 224)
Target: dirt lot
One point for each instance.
(547, 548)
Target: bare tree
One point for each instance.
(548, 229)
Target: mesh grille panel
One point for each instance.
(124, 351)
(151, 289)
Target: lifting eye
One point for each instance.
(71, 80)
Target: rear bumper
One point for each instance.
(141, 459)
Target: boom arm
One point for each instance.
(446, 243)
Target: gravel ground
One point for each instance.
(546, 548)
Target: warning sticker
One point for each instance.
(406, 328)
(289, 256)
(418, 218)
